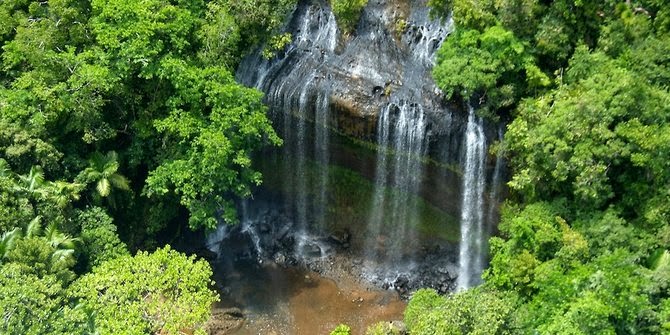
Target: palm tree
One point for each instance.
(7, 241)
(32, 184)
(4, 168)
(59, 240)
(103, 171)
(62, 192)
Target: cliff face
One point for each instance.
(387, 60)
(420, 180)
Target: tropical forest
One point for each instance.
(336, 167)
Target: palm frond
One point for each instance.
(103, 187)
(119, 181)
(7, 241)
(59, 240)
(61, 256)
(34, 227)
(4, 168)
(97, 161)
(35, 178)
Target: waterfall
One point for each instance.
(300, 161)
(250, 228)
(471, 253)
(215, 238)
(401, 137)
(321, 148)
(376, 84)
(494, 194)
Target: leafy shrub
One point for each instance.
(347, 13)
(341, 330)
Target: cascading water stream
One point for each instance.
(250, 228)
(401, 137)
(215, 238)
(300, 166)
(291, 98)
(321, 148)
(496, 186)
(471, 253)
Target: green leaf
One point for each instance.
(103, 187)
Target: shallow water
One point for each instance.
(289, 301)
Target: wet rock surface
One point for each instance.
(386, 60)
(224, 321)
(272, 238)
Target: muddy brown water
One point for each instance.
(289, 301)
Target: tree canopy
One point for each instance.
(111, 113)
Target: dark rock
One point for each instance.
(264, 228)
(224, 321)
(340, 237)
(234, 313)
(312, 250)
(401, 281)
(206, 254)
(288, 242)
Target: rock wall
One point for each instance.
(387, 59)
(374, 85)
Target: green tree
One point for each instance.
(163, 292)
(220, 36)
(100, 242)
(341, 330)
(36, 255)
(214, 126)
(347, 13)
(492, 65)
(258, 20)
(34, 305)
(584, 236)
(476, 311)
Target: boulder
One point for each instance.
(224, 321)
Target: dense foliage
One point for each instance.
(583, 246)
(118, 117)
(121, 119)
